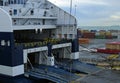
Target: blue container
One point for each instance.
(94, 31)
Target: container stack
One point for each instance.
(108, 35)
(102, 34)
(114, 33)
(113, 45)
(90, 35)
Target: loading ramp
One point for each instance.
(53, 74)
(75, 65)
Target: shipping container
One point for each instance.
(108, 51)
(114, 37)
(114, 33)
(113, 45)
(108, 33)
(79, 33)
(94, 31)
(83, 41)
(89, 35)
(102, 33)
(100, 36)
(85, 31)
(97, 33)
(108, 36)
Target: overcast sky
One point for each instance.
(93, 12)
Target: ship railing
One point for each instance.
(43, 43)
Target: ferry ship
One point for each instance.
(38, 43)
(34, 36)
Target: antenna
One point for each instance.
(70, 7)
(75, 10)
(70, 12)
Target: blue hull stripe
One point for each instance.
(10, 55)
(75, 45)
(17, 79)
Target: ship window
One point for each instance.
(18, 1)
(15, 11)
(8, 43)
(45, 12)
(2, 42)
(43, 21)
(51, 7)
(12, 2)
(71, 35)
(52, 60)
(38, 23)
(15, 2)
(14, 20)
(32, 12)
(9, 1)
(22, 1)
(65, 36)
(10, 12)
(1, 2)
(19, 10)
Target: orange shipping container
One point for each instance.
(83, 41)
(89, 35)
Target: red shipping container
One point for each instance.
(89, 35)
(108, 37)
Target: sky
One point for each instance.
(93, 12)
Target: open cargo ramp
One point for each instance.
(78, 66)
(53, 74)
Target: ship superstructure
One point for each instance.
(35, 32)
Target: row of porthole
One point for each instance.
(4, 43)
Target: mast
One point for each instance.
(70, 7)
(70, 12)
